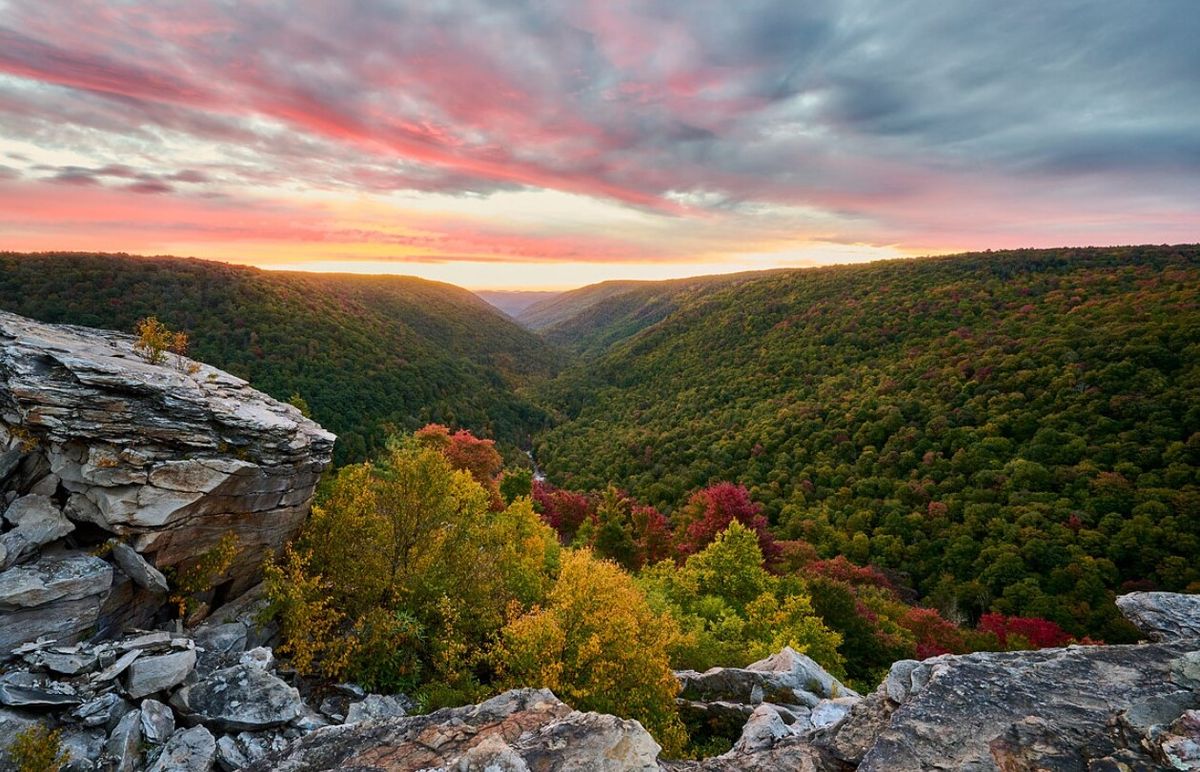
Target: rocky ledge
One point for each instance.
(1086, 708)
(113, 469)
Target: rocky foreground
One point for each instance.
(214, 699)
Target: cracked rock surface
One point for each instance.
(113, 469)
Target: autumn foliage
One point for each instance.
(596, 643)
(709, 512)
(1023, 632)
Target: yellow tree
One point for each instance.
(597, 644)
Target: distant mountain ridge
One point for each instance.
(513, 302)
(588, 320)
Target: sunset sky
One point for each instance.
(554, 144)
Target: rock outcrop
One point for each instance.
(153, 464)
(524, 729)
(1086, 708)
(1073, 708)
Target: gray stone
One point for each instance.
(188, 750)
(52, 579)
(1163, 616)
(158, 721)
(230, 756)
(379, 706)
(19, 689)
(124, 747)
(238, 698)
(59, 597)
(763, 729)
(9, 460)
(260, 657)
(37, 519)
(67, 663)
(148, 675)
(787, 677)
(898, 683)
(309, 720)
(1180, 744)
(83, 747)
(219, 645)
(1048, 709)
(518, 730)
(118, 667)
(156, 640)
(47, 486)
(136, 568)
(828, 713)
(104, 711)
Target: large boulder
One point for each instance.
(163, 460)
(148, 675)
(518, 730)
(1163, 616)
(785, 678)
(188, 750)
(59, 597)
(242, 697)
(1073, 708)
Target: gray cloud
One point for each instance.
(844, 106)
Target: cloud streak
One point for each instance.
(861, 121)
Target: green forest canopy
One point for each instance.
(1010, 430)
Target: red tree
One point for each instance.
(844, 571)
(469, 453)
(933, 633)
(710, 511)
(1039, 633)
(562, 510)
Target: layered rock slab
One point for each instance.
(166, 460)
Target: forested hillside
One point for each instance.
(589, 320)
(1011, 432)
(1015, 431)
(371, 355)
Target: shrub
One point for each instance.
(732, 611)
(373, 587)
(155, 340)
(201, 575)
(38, 749)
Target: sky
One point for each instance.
(548, 145)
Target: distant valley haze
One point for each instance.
(554, 146)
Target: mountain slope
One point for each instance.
(366, 352)
(1017, 431)
(588, 320)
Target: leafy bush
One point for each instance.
(597, 644)
(38, 749)
(373, 586)
(731, 611)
